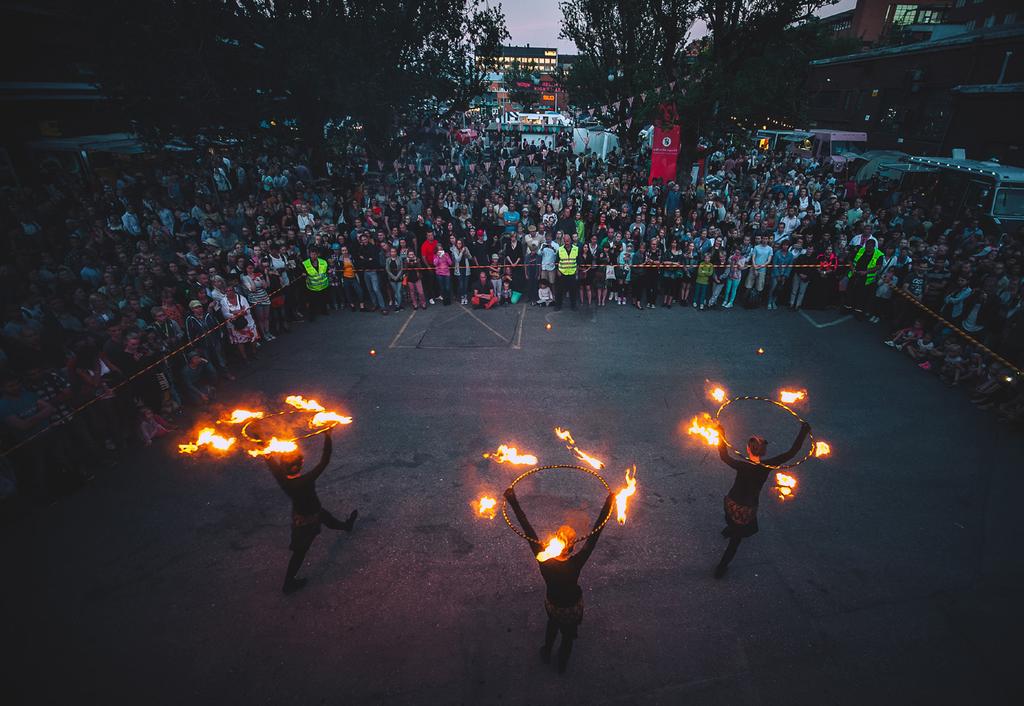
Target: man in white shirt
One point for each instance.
(791, 221)
(760, 256)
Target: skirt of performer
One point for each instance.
(741, 520)
(305, 528)
(567, 617)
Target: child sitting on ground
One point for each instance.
(506, 291)
(901, 338)
(954, 365)
(918, 349)
(544, 295)
(153, 426)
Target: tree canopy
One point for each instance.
(179, 66)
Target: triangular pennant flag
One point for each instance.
(472, 168)
(615, 106)
(604, 110)
(395, 164)
(657, 91)
(380, 165)
(629, 121)
(643, 96)
(591, 111)
(530, 157)
(487, 166)
(630, 101)
(672, 86)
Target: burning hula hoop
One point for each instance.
(734, 450)
(538, 469)
(257, 420)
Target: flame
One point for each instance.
(791, 396)
(623, 495)
(486, 506)
(760, 351)
(554, 548)
(717, 394)
(323, 418)
(510, 454)
(239, 416)
(594, 463)
(707, 430)
(275, 446)
(565, 435)
(785, 485)
(821, 448)
(300, 402)
(207, 437)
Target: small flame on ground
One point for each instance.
(565, 435)
(821, 448)
(717, 394)
(239, 416)
(207, 437)
(791, 396)
(554, 548)
(300, 402)
(547, 326)
(323, 418)
(785, 485)
(275, 446)
(595, 463)
(705, 429)
(623, 496)
(760, 351)
(510, 454)
(486, 506)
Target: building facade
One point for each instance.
(965, 91)
(523, 58)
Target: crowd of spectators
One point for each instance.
(113, 286)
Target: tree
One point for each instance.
(519, 85)
(376, 62)
(626, 47)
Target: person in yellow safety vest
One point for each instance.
(863, 273)
(317, 283)
(568, 260)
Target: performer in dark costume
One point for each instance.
(307, 513)
(564, 599)
(742, 499)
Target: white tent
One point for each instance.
(600, 142)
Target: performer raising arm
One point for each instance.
(564, 599)
(742, 499)
(307, 513)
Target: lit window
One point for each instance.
(990, 21)
(903, 15)
(1010, 18)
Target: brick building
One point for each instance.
(927, 98)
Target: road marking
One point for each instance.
(815, 324)
(402, 330)
(484, 324)
(519, 329)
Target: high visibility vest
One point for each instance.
(316, 281)
(567, 260)
(871, 276)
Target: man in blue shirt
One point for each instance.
(782, 266)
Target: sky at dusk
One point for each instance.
(537, 22)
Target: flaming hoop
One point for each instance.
(810, 435)
(538, 469)
(327, 420)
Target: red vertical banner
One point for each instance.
(664, 153)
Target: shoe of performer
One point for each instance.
(545, 654)
(293, 585)
(351, 521)
(431, 300)
(720, 570)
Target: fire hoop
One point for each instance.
(318, 430)
(504, 503)
(739, 454)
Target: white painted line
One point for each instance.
(401, 330)
(519, 330)
(484, 324)
(815, 324)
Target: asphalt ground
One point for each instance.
(894, 575)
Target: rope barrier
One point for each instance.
(160, 361)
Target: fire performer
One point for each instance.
(307, 513)
(564, 599)
(742, 499)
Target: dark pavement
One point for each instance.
(894, 576)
